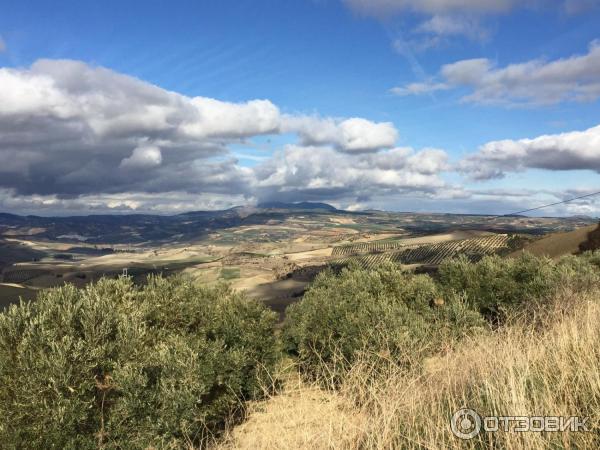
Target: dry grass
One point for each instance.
(550, 367)
(301, 416)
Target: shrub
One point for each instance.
(498, 286)
(402, 317)
(121, 366)
(383, 312)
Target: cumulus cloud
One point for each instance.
(313, 173)
(536, 82)
(142, 158)
(576, 150)
(352, 135)
(70, 131)
(221, 119)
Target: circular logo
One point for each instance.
(465, 423)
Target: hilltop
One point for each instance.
(298, 206)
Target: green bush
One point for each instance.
(406, 317)
(383, 312)
(498, 286)
(119, 366)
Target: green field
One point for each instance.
(230, 273)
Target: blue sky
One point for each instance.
(326, 59)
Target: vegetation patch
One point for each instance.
(22, 275)
(120, 366)
(360, 313)
(230, 273)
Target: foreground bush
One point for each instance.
(119, 366)
(407, 317)
(378, 312)
(500, 287)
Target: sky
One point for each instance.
(460, 106)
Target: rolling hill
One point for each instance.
(558, 244)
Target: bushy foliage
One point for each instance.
(498, 286)
(406, 317)
(118, 366)
(384, 312)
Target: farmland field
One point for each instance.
(372, 254)
(22, 275)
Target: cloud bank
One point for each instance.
(532, 83)
(71, 131)
(78, 138)
(576, 150)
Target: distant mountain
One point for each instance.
(134, 228)
(300, 205)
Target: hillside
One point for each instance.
(559, 244)
(368, 359)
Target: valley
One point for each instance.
(271, 251)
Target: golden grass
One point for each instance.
(550, 367)
(301, 416)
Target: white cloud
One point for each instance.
(441, 20)
(142, 158)
(576, 150)
(66, 128)
(139, 202)
(468, 71)
(453, 25)
(322, 173)
(536, 82)
(352, 135)
(419, 88)
(386, 8)
(219, 119)
(444, 21)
